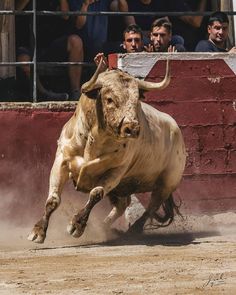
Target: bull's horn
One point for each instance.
(145, 85)
(93, 82)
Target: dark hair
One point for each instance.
(162, 22)
(218, 16)
(133, 28)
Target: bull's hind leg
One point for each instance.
(119, 206)
(58, 176)
(159, 195)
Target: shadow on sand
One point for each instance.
(150, 239)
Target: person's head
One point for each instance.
(133, 39)
(161, 34)
(218, 28)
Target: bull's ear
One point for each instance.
(93, 94)
(142, 94)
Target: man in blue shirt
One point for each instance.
(218, 31)
(92, 28)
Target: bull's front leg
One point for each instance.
(58, 176)
(104, 186)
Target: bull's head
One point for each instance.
(118, 104)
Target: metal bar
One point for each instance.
(88, 64)
(16, 63)
(35, 54)
(163, 13)
(158, 13)
(46, 63)
(16, 12)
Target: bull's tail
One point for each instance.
(170, 209)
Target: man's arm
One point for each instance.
(97, 60)
(64, 7)
(20, 4)
(195, 20)
(123, 7)
(80, 20)
(232, 50)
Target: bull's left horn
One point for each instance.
(145, 85)
(93, 83)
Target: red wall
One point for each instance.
(27, 148)
(202, 105)
(202, 99)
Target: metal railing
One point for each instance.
(34, 13)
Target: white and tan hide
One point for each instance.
(115, 145)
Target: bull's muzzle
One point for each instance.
(130, 129)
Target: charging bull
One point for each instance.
(114, 145)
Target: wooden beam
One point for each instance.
(7, 39)
(228, 6)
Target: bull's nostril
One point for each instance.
(127, 131)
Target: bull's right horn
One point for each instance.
(93, 83)
(145, 85)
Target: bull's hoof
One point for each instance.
(37, 235)
(76, 227)
(135, 229)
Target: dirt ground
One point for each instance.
(193, 256)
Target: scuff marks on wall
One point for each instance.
(214, 80)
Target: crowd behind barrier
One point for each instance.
(82, 38)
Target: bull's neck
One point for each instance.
(86, 110)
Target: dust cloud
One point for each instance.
(14, 233)
(18, 217)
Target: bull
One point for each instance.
(114, 145)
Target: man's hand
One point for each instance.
(88, 2)
(123, 6)
(232, 50)
(149, 48)
(171, 48)
(97, 59)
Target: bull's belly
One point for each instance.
(130, 186)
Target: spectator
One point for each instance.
(93, 29)
(55, 42)
(144, 21)
(161, 37)
(190, 27)
(218, 30)
(132, 42)
(133, 39)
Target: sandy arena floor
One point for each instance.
(194, 256)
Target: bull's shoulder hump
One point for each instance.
(161, 116)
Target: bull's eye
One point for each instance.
(109, 100)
